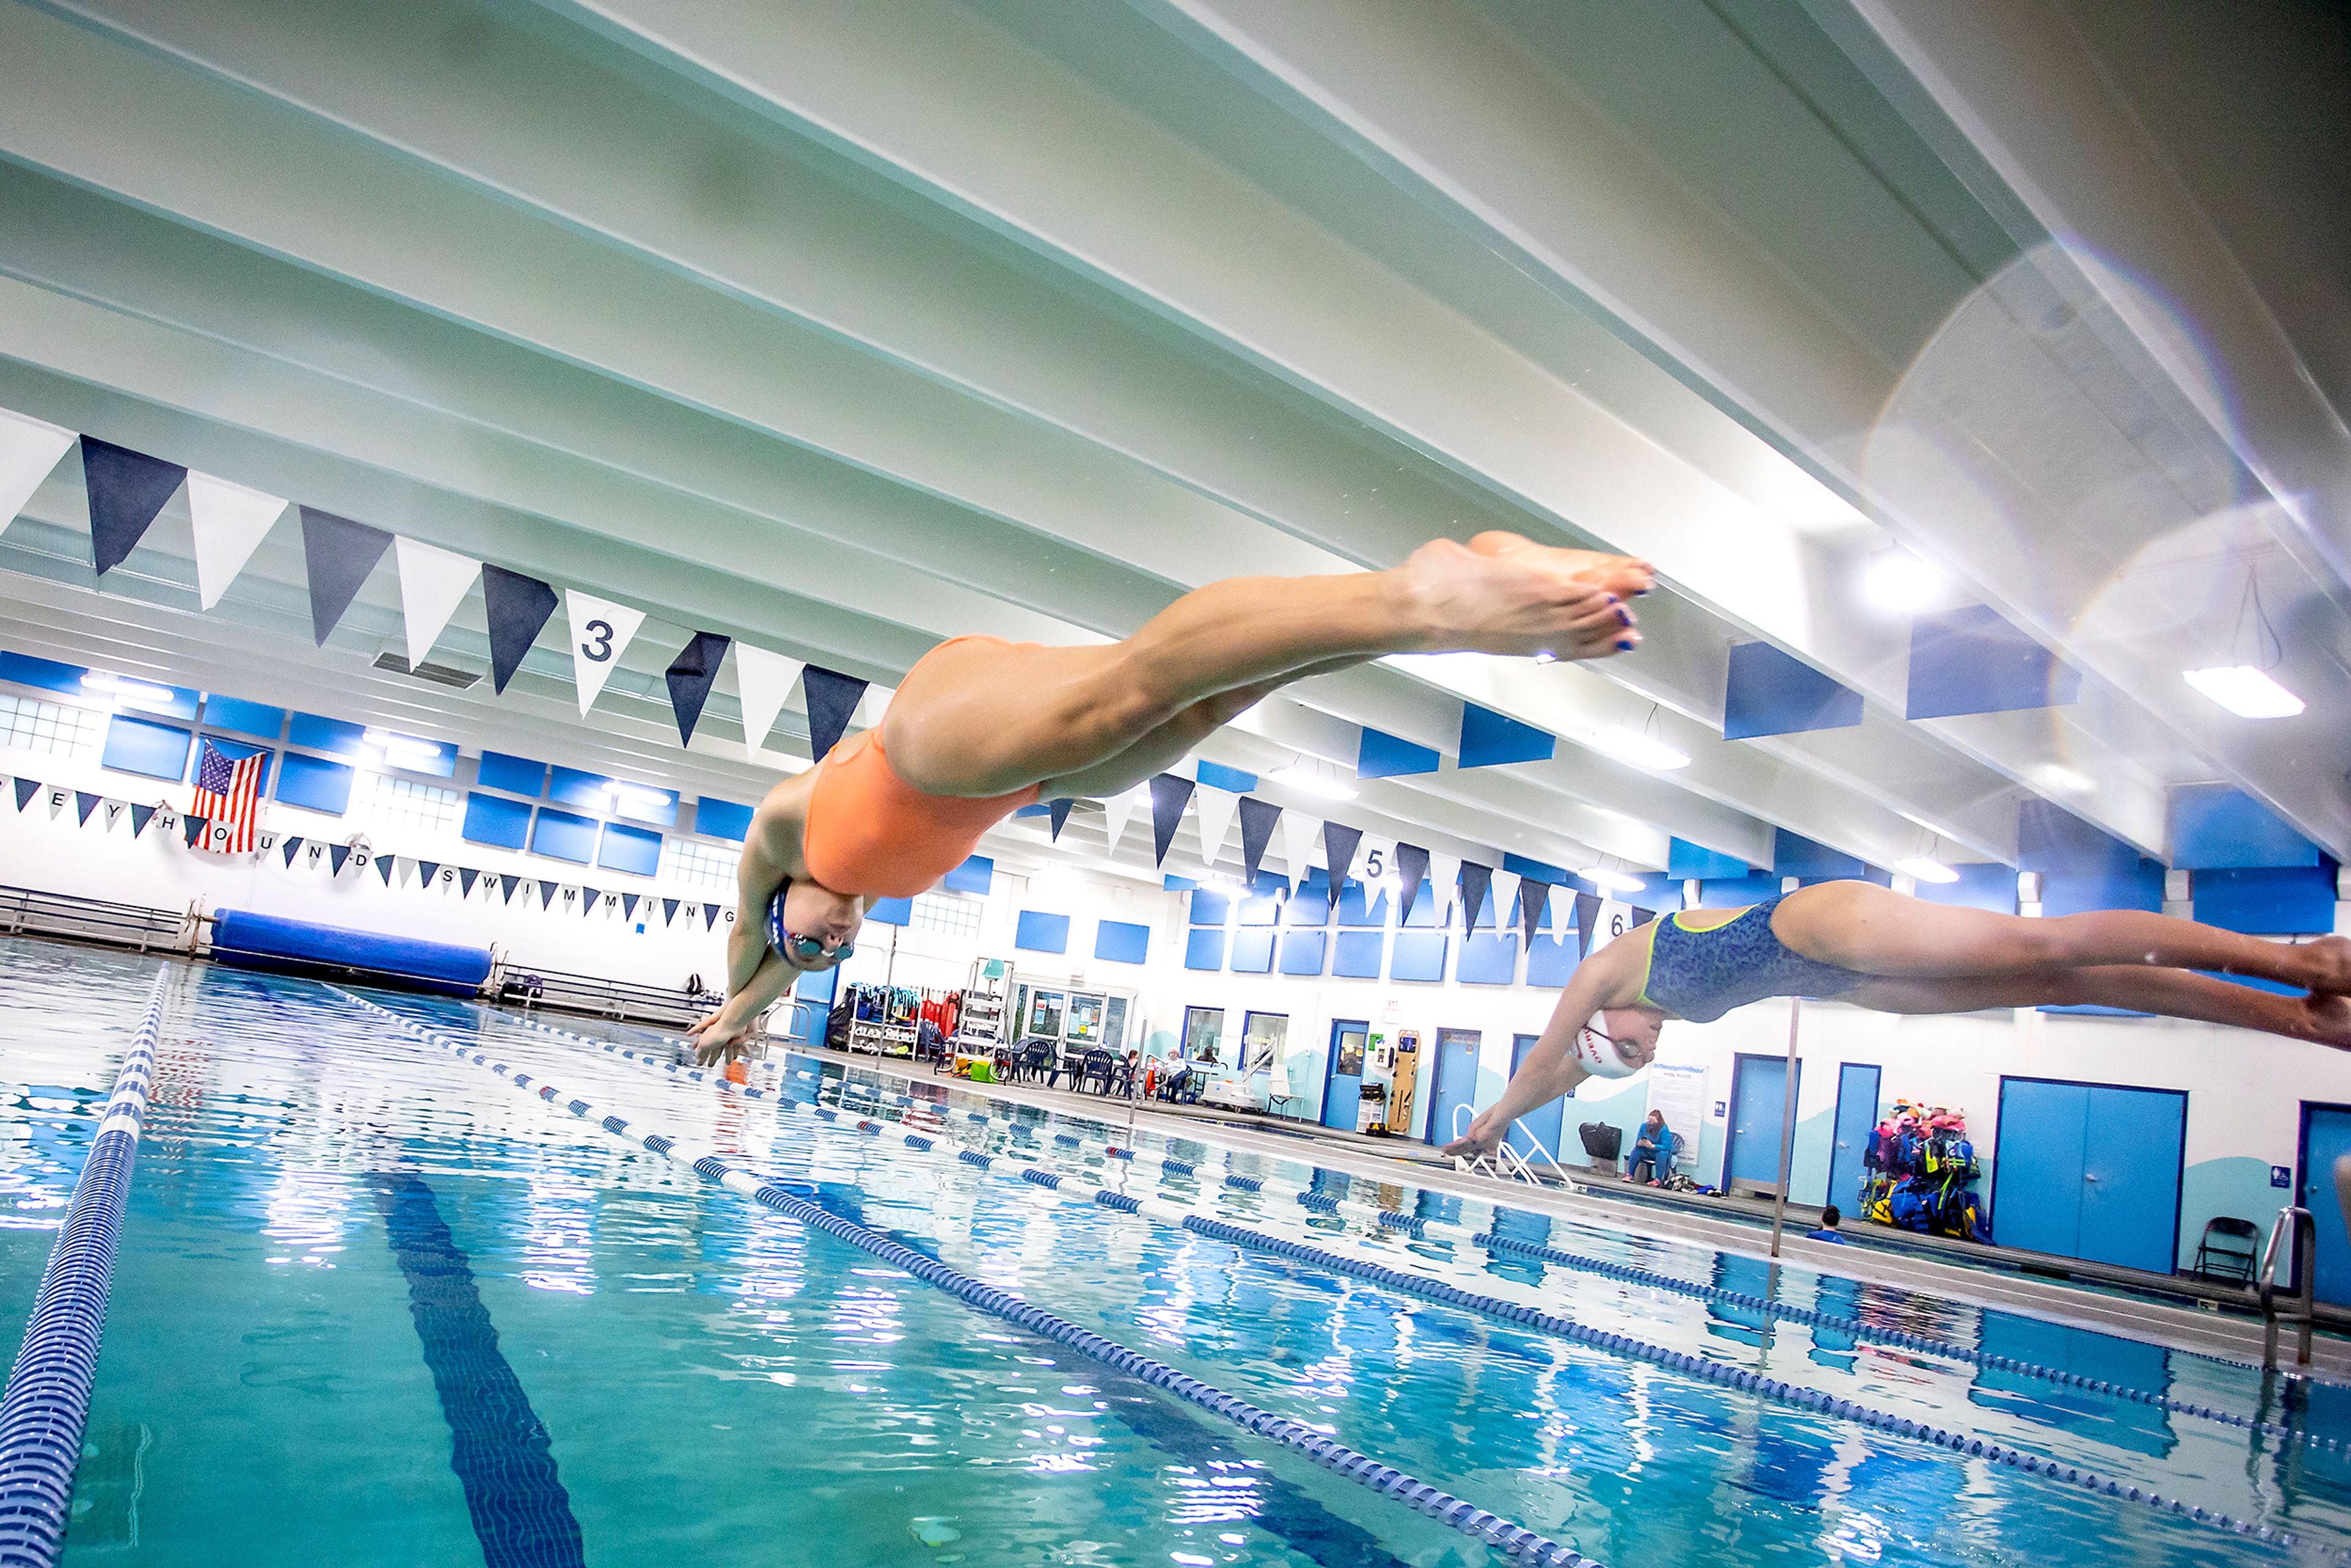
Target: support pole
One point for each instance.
(1787, 1127)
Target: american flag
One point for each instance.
(224, 793)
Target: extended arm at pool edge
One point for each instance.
(1551, 1069)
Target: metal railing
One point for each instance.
(1506, 1163)
(2298, 1222)
(28, 911)
(595, 997)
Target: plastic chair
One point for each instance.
(2217, 1259)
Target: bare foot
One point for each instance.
(2330, 1020)
(2329, 958)
(1503, 594)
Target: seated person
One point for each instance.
(1828, 1230)
(1654, 1151)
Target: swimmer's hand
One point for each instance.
(1483, 1137)
(714, 1039)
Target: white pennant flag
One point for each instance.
(432, 583)
(229, 522)
(763, 680)
(1300, 836)
(114, 810)
(28, 450)
(873, 705)
(1506, 900)
(1217, 807)
(601, 631)
(1445, 879)
(1119, 810)
(404, 870)
(57, 799)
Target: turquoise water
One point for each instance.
(373, 1305)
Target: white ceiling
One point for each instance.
(844, 328)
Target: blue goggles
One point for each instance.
(803, 949)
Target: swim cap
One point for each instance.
(776, 918)
(1599, 1056)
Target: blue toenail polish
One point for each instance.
(1640, 592)
(1624, 615)
(1626, 646)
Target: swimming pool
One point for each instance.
(374, 1304)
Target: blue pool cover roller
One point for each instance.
(267, 942)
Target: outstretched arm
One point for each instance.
(755, 973)
(1551, 1069)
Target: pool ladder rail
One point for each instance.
(2298, 1222)
(1506, 1164)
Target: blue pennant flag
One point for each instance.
(126, 489)
(338, 554)
(517, 606)
(1169, 796)
(690, 677)
(832, 700)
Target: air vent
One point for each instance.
(439, 674)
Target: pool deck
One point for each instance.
(2173, 1311)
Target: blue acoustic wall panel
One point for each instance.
(634, 849)
(1541, 871)
(1312, 907)
(1424, 906)
(1488, 958)
(1206, 950)
(1989, 886)
(560, 835)
(488, 819)
(43, 674)
(140, 746)
(2081, 867)
(2079, 892)
(718, 818)
(2217, 825)
(1260, 911)
(1252, 952)
(1230, 779)
(235, 751)
(319, 785)
(1972, 661)
(516, 774)
(1792, 855)
(257, 719)
(1686, 861)
(1551, 963)
(1490, 739)
(1354, 910)
(1040, 933)
(2276, 901)
(977, 875)
(893, 911)
(1772, 693)
(1384, 755)
(1302, 952)
(1737, 892)
(1418, 955)
(571, 787)
(1121, 942)
(1211, 909)
(1357, 954)
(334, 736)
(1170, 882)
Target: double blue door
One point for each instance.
(2090, 1171)
(1456, 1082)
(1342, 1073)
(2326, 1138)
(1856, 1119)
(1542, 1121)
(1758, 1101)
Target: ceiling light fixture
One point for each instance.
(2245, 690)
(128, 693)
(1308, 781)
(1642, 750)
(1922, 869)
(402, 747)
(2064, 780)
(642, 794)
(1613, 881)
(1897, 580)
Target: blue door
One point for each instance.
(1759, 1091)
(1342, 1073)
(2090, 1171)
(1543, 1121)
(1456, 1082)
(1856, 1119)
(2326, 1138)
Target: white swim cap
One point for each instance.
(1600, 1057)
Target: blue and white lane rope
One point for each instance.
(47, 1403)
(1386, 1480)
(1445, 1230)
(1958, 1443)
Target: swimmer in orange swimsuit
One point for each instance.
(981, 728)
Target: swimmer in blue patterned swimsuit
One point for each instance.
(1874, 947)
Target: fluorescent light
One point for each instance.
(1895, 579)
(128, 693)
(2245, 692)
(401, 748)
(2063, 781)
(1642, 750)
(1925, 869)
(642, 794)
(1613, 881)
(1312, 783)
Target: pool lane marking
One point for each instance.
(1462, 1235)
(46, 1406)
(1386, 1480)
(498, 1445)
(1960, 1443)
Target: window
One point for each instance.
(405, 803)
(949, 914)
(1263, 1037)
(28, 724)
(1204, 1029)
(699, 865)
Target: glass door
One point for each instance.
(1085, 1020)
(1204, 1032)
(1342, 1078)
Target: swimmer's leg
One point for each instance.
(2322, 1020)
(1860, 925)
(984, 718)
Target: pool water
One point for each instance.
(373, 1305)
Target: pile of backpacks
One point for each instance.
(1919, 1174)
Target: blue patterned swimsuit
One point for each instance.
(1701, 975)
